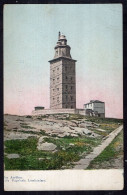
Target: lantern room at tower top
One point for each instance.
(61, 48)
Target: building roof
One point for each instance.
(94, 101)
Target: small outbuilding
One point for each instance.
(39, 108)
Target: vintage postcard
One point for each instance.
(63, 97)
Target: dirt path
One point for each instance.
(84, 163)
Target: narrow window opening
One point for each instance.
(57, 99)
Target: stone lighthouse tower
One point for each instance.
(62, 76)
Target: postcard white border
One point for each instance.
(64, 180)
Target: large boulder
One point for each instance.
(46, 146)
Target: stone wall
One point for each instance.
(58, 111)
(56, 84)
(53, 111)
(69, 111)
(68, 84)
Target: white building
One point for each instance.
(95, 108)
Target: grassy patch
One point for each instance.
(75, 117)
(28, 116)
(109, 127)
(21, 146)
(26, 126)
(29, 132)
(101, 133)
(64, 142)
(109, 154)
(41, 132)
(107, 124)
(29, 155)
(104, 120)
(41, 117)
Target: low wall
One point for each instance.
(53, 111)
(60, 111)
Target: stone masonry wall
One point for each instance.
(53, 111)
(56, 84)
(69, 85)
(62, 84)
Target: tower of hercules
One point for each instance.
(62, 76)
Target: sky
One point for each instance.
(94, 33)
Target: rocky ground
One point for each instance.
(53, 125)
(56, 134)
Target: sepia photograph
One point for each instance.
(63, 96)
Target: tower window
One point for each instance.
(57, 68)
(57, 99)
(71, 106)
(71, 87)
(65, 68)
(53, 70)
(53, 98)
(66, 77)
(66, 97)
(66, 86)
(57, 89)
(57, 78)
(71, 97)
(71, 78)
